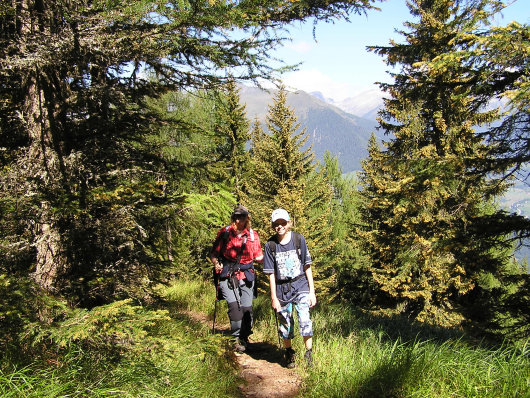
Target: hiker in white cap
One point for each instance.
(288, 263)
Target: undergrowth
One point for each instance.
(121, 350)
(126, 350)
(357, 355)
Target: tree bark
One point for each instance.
(43, 162)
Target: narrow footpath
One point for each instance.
(264, 374)
(261, 368)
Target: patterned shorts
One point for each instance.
(286, 317)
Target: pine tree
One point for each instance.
(425, 206)
(284, 175)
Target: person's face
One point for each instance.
(240, 220)
(280, 226)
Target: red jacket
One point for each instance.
(233, 246)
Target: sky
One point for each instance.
(337, 63)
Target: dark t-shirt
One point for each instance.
(287, 265)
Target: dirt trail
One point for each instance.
(261, 368)
(264, 375)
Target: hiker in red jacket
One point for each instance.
(234, 251)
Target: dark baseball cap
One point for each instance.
(240, 210)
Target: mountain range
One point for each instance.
(365, 104)
(329, 128)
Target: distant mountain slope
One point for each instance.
(328, 127)
(365, 104)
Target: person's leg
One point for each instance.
(302, 305)
(235, 314)
(305, 324)
(246, 296)
(285, 317)
(287, 333)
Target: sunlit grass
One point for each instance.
(180, 358)
(356, 358)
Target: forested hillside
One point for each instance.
(125, 145)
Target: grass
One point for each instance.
(358, 355)
(355, 355)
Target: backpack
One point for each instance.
(297, 238)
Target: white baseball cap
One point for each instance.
(280, 214)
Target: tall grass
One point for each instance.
(357, 356)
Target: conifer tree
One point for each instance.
(232, 125)
(353, 281)
(425, 207)
(500, 68)
(193, 176)
(283, 174)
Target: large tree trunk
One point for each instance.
(43, 170)
(43, 162)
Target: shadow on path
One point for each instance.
(262, 369)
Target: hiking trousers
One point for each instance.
(286, 317)
(240, 314)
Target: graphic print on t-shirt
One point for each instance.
(288, 264)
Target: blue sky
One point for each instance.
(337, 63)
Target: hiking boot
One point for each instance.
(289, 358)
(248, 345)
(308, 356)
(240, 345)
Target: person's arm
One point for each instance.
(215, 253)
(217, 264)
(259, 253)
(268, 268)
(274, 300)
(309, 276)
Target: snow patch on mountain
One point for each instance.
(364, 104)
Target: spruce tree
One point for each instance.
(425, 207)
(232, 125)
(284, 175)
(350, 263)
(194, 176)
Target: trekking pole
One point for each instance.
(216, 279)
(214, 314)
